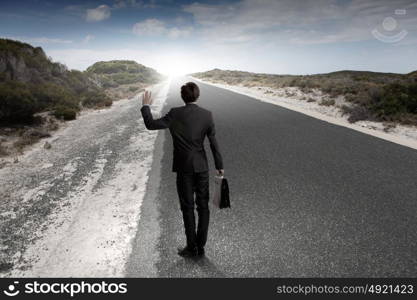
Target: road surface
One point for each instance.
(308, 199)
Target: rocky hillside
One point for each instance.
(24, 63)
(386, 97)
(31, 83)
(122, 78)
(35, 92)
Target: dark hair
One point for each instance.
(190, 92)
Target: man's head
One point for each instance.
(190, 92)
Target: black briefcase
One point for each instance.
(221, 192)
(224, 198)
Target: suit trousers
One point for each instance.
(194, 188)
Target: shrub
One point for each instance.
(65, 113)
(95, 99)
(51, 94)
(3, 150)
(108, 103)
(17, 103)
(396, 99)
(327, 102)
(24, 141)
(356, 113)
(379, 96)
(47, 85)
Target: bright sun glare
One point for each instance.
(175, 66)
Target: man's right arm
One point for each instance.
(154, 124)
(148, 119)
(214, 146)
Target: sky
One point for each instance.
(179, 37)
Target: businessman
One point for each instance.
(189, 125)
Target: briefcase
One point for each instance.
(221, 192)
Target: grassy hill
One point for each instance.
(376, 96)
(122, 78)
(36, 92)
(31, 83)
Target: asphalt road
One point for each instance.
(308, 199)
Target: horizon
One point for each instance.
(230, 70)
(183, 37)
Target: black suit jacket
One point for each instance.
(188, 125)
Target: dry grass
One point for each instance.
(15, 139)
(25, 141)
(327, 102)
(3, 150)
(125, 91)
(385, 97)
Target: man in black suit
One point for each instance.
(189, 125)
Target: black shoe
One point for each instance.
(201, 252)
(187, 252)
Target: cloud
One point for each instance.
(88, 38)
(152, 27)
(178, 33)
(103, 12)
(119, 4)
(98, 14)
(149, 27)
(128, 3)
(75, 7)
(287, 21)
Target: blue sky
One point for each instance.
(271, 36)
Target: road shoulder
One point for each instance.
(370, 128)
(145, 255)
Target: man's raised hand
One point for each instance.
(147, 98)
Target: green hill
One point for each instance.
(31, 83)
(122, 78)
(412, 74)
(35, 91)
